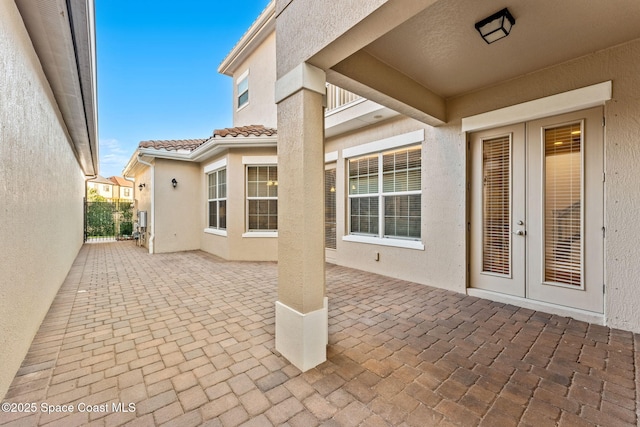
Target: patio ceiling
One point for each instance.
(439, 54)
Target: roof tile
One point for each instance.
(173, 145)
(192, 144)
(251, 130)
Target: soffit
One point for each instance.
(440, 49)
(63, 36)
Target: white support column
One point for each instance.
(301, 309)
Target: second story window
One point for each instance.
(242, 87)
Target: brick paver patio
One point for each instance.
(188, 339)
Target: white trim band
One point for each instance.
(259, 160)
(386, 241)
(331, 157)
(384, 144)
(302, 337)
(573, 100)
(304, 76)
(215, 165)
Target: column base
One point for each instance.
(302, 338)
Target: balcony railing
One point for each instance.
(338, 97)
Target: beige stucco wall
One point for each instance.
(622, 154)
(142, 202)
(444, 151)
(178, 211)
(41, 215)
(441, 263)
(235, 246)
(261, 64)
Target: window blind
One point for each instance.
(563, 205)
(496, 205)
(330, 208)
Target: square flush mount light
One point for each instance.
(496, 26)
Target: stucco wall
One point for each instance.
(142, 200)
(622, 154)
(441, 263)
(235, 246)
(261, 109)
(41, 214)
(178, 211)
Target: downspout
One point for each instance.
(152, 214)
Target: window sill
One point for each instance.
(261, 234)
(216, 232)
(396, 243)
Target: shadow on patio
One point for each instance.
(188, 339)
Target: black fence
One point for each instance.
(108, 221)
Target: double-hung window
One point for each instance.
(385, 194)
(262, 198)
(217, 184)
(242, 89)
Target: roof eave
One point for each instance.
(215, 146)
(259, 30)
(66, 49)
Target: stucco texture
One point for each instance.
(178, 211)
(41, 225)
(441, 263)
(238, 245)
(622, 153)
(261, 65)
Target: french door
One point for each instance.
(537, 210)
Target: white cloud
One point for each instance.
(113, 157)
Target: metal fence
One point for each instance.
(108, 221)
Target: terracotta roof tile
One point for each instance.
(251, 130)
(118, 180)
(192, 144)
(173, 145)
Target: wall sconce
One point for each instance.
(174, 182)
(496, 26)
(141, 186)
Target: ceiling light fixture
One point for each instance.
(496, 26)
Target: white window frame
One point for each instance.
(243, 78)
(215, 167)
(379, 148)
(257, 161)
(217, 229)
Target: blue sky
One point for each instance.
(157, 70)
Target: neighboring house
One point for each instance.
(112, 188)
(479, 168)
(102, 186)
(122, 188)
(48, 145)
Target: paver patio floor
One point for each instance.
(188, 339)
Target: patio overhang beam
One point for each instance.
(367, 76)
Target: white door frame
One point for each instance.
(579, 99)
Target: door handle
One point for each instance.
(520, 233)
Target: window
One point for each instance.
(127, 192)
(242, 87)
(262, 198)
(106, 188)
(218, 199)
(330, 208)
(385, 194)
